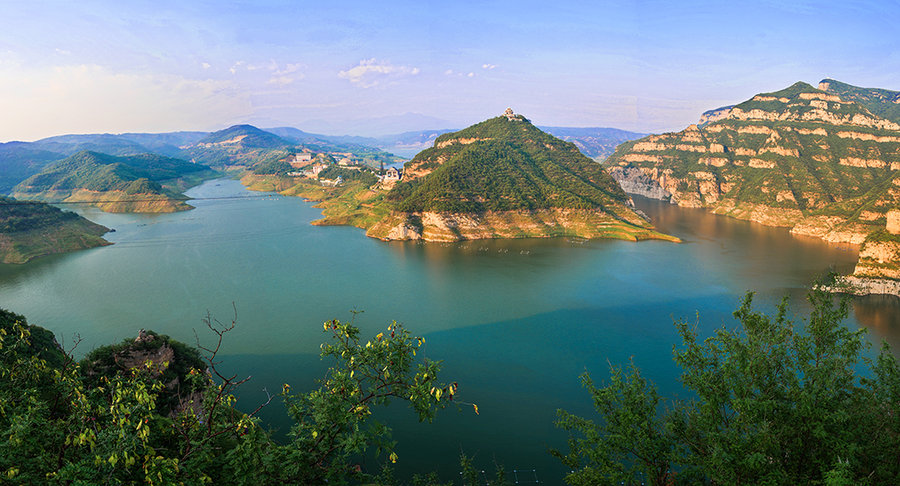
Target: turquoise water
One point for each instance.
(515, 321)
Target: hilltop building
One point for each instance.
(510, 115)
(392, 174)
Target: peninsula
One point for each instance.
(501, 178)
(32, 229)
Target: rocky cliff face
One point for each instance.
(714, 115)
(163, 358)
(801, 158)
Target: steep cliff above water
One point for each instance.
(801, 158)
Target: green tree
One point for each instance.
(108, 426)
(774, 403)
(630, 445)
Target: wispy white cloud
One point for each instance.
(288, 69)
(370, 72)
(281, 80)
(451, 72)
(285, 75)
(488, 66)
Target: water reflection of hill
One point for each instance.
(881, 315)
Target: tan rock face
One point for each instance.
(761, 164)
(857, 162)
(787, 152)
(879, 259)
(820, 96)
(649, 147)
(691, 148)
(817, 131)
(814, 115)
(447, 227)
(867, 136)
(642, 158)
(755, 130)
(713, 161)
(893, 222)
(461, 141)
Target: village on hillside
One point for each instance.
(308, 164)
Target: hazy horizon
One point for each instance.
(364, 69)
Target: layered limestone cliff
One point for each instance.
(801, 158)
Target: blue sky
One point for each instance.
(337, 67)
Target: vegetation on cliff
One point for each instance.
(803, 158)
(32, 229)
(881, 102)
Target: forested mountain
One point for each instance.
(133, 183)
(505, 177)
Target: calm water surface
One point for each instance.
(515, 322)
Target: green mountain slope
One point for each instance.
(505, 165)
(246, 136)
(32, 229)
(502, 165)
(881, 102)
(137, 183)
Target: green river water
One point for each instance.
(514, 321)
